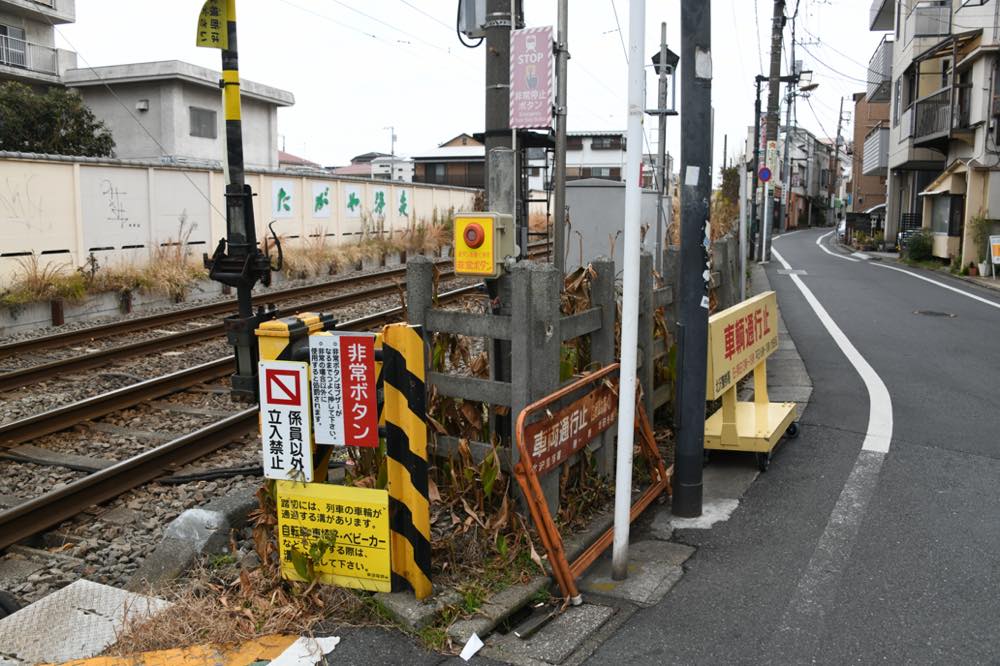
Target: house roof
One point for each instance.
(367, 157)
(165, 70)
(362, 169)
(598, 133)
(294, 160)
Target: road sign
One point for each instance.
(213, 28)
(286, 438)
(772, 155)
(738, 339)
(552, 440)
(341, 533)
(532, 78)
(345, 406)
(764, 174)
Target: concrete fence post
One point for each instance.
(419, 287)
(602, 346)
(546, 344)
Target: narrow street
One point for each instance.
(841, 553)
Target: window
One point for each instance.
(13, 48)
(945, 72)
(940, 210)
(606, 143)
(203, 123)
(574, 143)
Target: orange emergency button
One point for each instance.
(474, 235)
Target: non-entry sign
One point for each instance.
(345, 405)
(532, 78)
(284, 420)
(552, 440)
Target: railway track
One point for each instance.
(52, 508)
(37, 373)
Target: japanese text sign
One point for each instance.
(739, 338)
(474, 245)
(552, 440)
(345, 404)
(532, 78)
(995, 249)
(213, 28)
(285, 430)
(343, 530)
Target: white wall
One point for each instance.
(63, 210)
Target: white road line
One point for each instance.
(819, 244)
(879, 434)
(942, 285)
(803, 622)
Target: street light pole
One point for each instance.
(559, 193)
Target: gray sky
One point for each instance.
(358, 66)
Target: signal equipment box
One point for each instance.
(483, 242)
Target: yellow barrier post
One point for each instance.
(740, 339)
(405, 417)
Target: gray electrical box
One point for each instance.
(472, 18)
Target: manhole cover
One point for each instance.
(934, 313)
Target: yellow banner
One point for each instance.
(213, 29)
(337, 534)
(739, 338)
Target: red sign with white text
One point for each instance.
(357, 370)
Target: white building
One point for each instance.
(388, 167)
(172, 111)
(27, 40)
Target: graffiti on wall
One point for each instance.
(20, 206)
(114, 198)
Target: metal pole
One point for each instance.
(497, 128)
(765, 226)
(835, 171)
(562, 58)
(743, 231)
(696, 190)
(661, 106)
(773, 112)
(754, 232)
(787, 161)
(630, 289)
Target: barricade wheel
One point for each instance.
(8, 605)
(763, 461)
(793, 430)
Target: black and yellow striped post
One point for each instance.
(287, 339)
(405, 417)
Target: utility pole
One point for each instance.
(787, 161)
(559, 195)
(754, 231)
(392, 151)
(773, 97)
(835, 172)
(661, 158)
(696, 190)
(630, 290)
(743, 230)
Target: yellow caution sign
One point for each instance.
(213, 23)
(405, 417)
(336, 534)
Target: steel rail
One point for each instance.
(51, 508)
(91, 333)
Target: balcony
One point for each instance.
(932, 120)
(18, 54)
(46, 11)
(882, 15)
(928, 18)
(875, 158)
(880, 72)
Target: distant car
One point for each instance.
(842, 229)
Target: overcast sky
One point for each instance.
(359, 66)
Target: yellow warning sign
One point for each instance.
(474, 245)
(337, 534)
(213, 28)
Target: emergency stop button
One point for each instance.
(474, 235)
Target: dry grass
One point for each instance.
(38, 280)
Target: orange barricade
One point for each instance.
(557, 437)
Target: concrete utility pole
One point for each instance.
(497, 129)
(696, 190)
(559, 194)
(787, 160)
(630, 289)
(835, 171)
(755, 234)
(661, 158)
(773, 97)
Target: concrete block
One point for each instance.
(653, 568)
(712, 511)
(412, 614)
(498, 608)
(461, 631)
(77, 622)
(557, 641)
(14, 570)
(196, 532)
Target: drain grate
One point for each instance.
(934, 313)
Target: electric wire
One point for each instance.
(430, 16)
(621, 38)
(760, 53)
(390, 26)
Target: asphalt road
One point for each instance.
(840, 555)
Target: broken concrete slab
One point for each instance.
(76, 622)
(712, 511)
(414, 615)
(498, 608)
(556, 642)
(14, 570)
(196, 532)
(653, 568)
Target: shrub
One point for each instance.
(920, 246)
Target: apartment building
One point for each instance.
(810, 160)
(943, 150)
(869, 160)
(27, 41)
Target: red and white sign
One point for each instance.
(532, 78)
(345, 405)
(285, 425)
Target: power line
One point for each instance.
(760, 54)
(412, 6)
(816, 116)
(832, 69)
(390, 26)
(621, 38)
